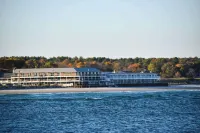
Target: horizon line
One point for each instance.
(48, 57)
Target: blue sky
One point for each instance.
(108, 28)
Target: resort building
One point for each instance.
(78, 77)
(68, 77)
(128, 78)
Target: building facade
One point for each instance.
(67, 77)
(78, 77)
(128, 78)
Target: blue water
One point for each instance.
(155, 112)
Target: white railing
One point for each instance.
(50, 81)
(4, 80)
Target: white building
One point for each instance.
(76, 77)
(127, 78)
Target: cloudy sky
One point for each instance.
(108, 28)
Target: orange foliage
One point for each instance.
(134, 67)
(108, 63)
(70, 65)
(80, 64)
(94, 62)
(179, 65)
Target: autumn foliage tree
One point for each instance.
(166, 67)
(134, 67)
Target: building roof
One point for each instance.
(125, 73)
(38, 70)
(87, 69)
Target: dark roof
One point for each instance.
(87, 69)
(37, 70)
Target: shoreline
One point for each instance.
(103, 89)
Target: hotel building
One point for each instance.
(68, 77)
(78, 77)
(129, 78)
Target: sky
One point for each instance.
(100, 28)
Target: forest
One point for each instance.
(165, 67)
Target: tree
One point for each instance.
(175, 60)
(168, 70)
(116, 66)
(80, 64)
(48, 64)
(29, 63)
(94, 64)
(42, 62)
(166, 67)
(70, 65)
(134, 67)
(107, 66)
(64, 63)
(35, 63)
(152, 67)
(177, 75)
(191, 73)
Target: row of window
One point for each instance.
(133, 81)
(55, 79)
(54, 74)
(125, 76)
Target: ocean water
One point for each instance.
(112, 112)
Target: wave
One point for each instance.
(95, 96)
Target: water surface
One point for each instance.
(156, 112)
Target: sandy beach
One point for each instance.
(106, 89)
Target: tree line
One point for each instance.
(166, 67)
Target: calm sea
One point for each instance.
(123, 112)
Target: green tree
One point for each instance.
(48, 64)
(152, 67)
(168, 70)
